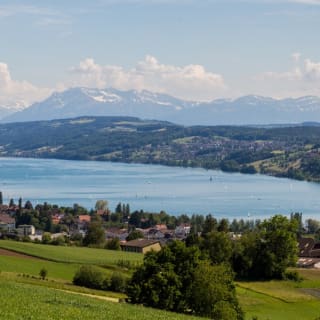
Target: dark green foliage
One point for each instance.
(46, 238)
(133, 140)
(174, 279)
(113, 244)
(90, 277)
(135, 234)
(118, 282)
(267, 252)
(218, 247)
(43, 273)
(95, 235)
(292, 275)
(93, 277)
(213, 293)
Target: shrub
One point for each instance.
(113, 244)
(292, 275)
(43, 273)
(90, 277)
(118, 282)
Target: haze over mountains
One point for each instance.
(77, 102)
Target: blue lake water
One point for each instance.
(155, 188)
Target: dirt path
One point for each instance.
(91, 295)
(9, 253)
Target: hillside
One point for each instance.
(284, 151)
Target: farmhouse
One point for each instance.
(26, 230)
(7, 223)
(141, 245)
(308, 248)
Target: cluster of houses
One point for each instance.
(153, 237)
(309, 253)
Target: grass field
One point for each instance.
(78, 255)
(278, 300)
(55, 270)
(24, 301)
(268, 300)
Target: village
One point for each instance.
(131, 232)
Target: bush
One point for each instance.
(113, 244)
(46, 238)
(90, 277)
(43, 273)
(59, 241)
(293, 276)
(118, 282)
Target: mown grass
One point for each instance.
(278, 300)
(78, 255)
(24, 301)
(56, 284)
(32, 267)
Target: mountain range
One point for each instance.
(245, 110)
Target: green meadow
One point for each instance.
(278, 300)
(79, 255)
(25, 301)
(20, 284)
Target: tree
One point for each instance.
(43, 273)
(176, 279)
(113, 244)
(95, 234)
(135, 234)
(312, 225)
(278, 246)
(164, 280)
(46, 238)
(267, 252)
(11, 203)
(213, 292)
(218, 246)
(101, 205)
(1, 198)
(210, 224)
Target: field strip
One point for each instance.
(13, 253)
(263, 293)
(110, 299)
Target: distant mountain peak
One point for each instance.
(250, 109)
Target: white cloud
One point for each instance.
(14, 92)
(188, 82)
(302, 79)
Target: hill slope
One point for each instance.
(288, 151)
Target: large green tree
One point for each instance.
(175, 278)
(213, 292)
(95, 234)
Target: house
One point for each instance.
(26, 230)
(309, 263)
(7, 223)
(121, 234)
(83, 221)
(183, 230)
(154, 234)
(308, 248)
(141, 246)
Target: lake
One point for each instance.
(154, 188)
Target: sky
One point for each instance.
(192, 49)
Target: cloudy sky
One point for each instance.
(192, 49)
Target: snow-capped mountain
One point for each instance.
(6, 110)
(77, 102)
(94, 102)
